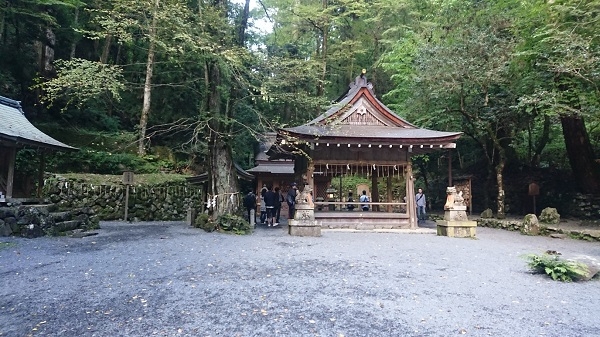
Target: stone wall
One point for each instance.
(169, 201)
(586, 206)
(34, 220)
(545, 229)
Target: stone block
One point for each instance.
(5, 229)
(304, 228)
(487, 214)
(457, 229)
(530, 226)
(549, 216)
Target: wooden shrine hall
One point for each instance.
(360, 136)
(16, 133)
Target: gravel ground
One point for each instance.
(166, 279)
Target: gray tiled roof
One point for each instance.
(287, 168)
(366, 133)
(15, 128)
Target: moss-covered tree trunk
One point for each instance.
(223, 185)
(580, 153)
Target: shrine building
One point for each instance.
(359, 136)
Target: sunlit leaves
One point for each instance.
(81, 80)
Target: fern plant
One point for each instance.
(555, 267)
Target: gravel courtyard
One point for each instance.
(167, 279)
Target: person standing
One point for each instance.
(291, 200)
(250, 205)
(263, 206)
(278, 204)
(421, 203)
(271, 199)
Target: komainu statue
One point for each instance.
(305, 197)
(453, 199)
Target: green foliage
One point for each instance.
(555, 267)
(87, 160)
(80, 81)
(204, 222)
(234, 223)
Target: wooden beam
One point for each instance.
(410, 197)
(12, 154)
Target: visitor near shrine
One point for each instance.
(364, 198)
(421, 203)
(271, 199)
(291, 200)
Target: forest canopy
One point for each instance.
(187, 86)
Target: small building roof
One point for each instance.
(203, 177)
(16, 129)
(265, 164)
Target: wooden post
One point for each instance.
(127, 180)
(410, 196)
(41, 170)
(126, 201)
(12, 154)
(374, 190)
(449, 168)
(388, 186)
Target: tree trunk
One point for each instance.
(243, 24)
(541, 143)
(147, 85)
(106, 49)
(223, 186)
(580, 153)
(500, 214)
(325, 30)
(74, 42)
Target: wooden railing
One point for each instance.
(396, 207)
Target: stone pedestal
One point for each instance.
(304, 223)
(191, 217)
(456, 224)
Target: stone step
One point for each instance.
(70, 225)
(46, 208)
(62, 216)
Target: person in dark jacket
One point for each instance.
(291, 200)
(271, 199)
(250, 205)
(278, 205)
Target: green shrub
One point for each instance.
(555, 267)
(205, 222)
(233, 223)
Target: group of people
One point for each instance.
(421, 204)
(270, 201)
(364, 199)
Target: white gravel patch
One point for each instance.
(167, 279)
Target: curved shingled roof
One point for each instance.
(359, 117)
(16, 129)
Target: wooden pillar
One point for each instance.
(41, 170)
(411, 206)
(310, 179)
(449, 168)
(12, 154)
(374, 190)
(388, 185)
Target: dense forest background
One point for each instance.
(187, 86)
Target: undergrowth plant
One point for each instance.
(555, 267)
(233, 223)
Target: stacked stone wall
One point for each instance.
(586, 206)
(166, 202)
